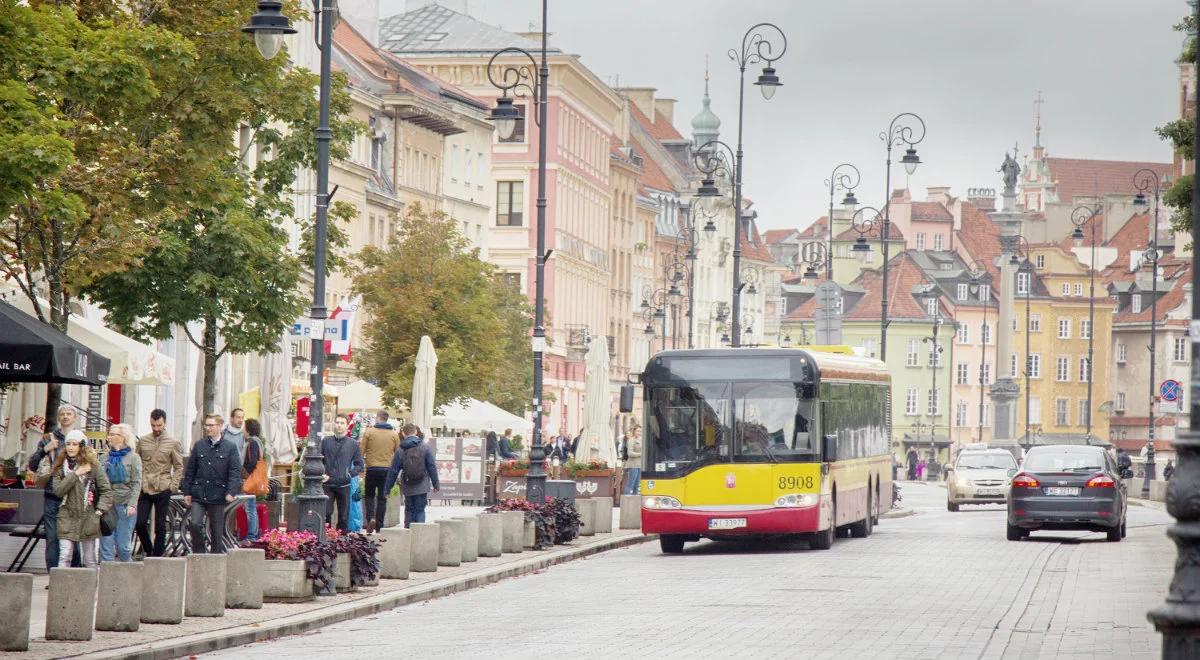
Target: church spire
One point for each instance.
(1037, 126)
(705, 125)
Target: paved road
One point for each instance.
(933, 585)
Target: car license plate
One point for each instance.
(1055, 490)
(988, 491)
(726, 523)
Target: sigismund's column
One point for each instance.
(1005, 391)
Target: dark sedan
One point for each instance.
(1067, 487)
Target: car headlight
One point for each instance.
(796, 500)
(660, 502)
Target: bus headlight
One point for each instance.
(797, 500)
(660, 502)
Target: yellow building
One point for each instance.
(1057, 341)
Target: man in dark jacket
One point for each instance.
(506, 450)
(47, 450)
(413, 483)
(343, 462)
(212, 479)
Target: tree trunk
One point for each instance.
(59, 305)
(210, 364)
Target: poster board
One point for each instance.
(460, 466)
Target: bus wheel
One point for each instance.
(823, 540)
(862, 529)
(671, 544)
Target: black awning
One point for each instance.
(34, 352)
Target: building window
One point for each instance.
(510, 202)
(1035, 365)
(931, 306)
(964, 291)
(911, 358)
(869, 347)
(961, 373)
(1085, 329)
(920, 240)
(1064, 328)
(938, 242)
(935, 357)
(1135, 303)
(1084, 412)
(513, 280)
(1013, 366)
(1179, 349)
(1085, 371)
(910, 401)
(1040, 261)
(933, 403)
(1015, 328)
(1120, 401)
(1066, 289)
(1062, 373)
(985, 292)
(987, 373)
(960, 413)
(1035, 411)
(1022, 283)
(518, 134)
(985, 333)
(1062, 415)
(1121, 353)
(1035, 322)
(1079, 289)
(964, 334)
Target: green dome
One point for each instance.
(706, 126)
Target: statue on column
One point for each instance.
(1011, 170)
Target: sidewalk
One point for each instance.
(237, 627)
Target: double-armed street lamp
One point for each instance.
(1080, 216)
(1147, 181)
(902, 131)
(757, 48)
(1020, 259)
(980, 289)
(844, 177)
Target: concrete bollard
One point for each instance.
(395, 554)
(491, 535)
(604, 514)
(205, 591)
(244, 570)
(163, 580)
(450, 542)
(425, 538)
(470, 538)
(513, 524)
(1158, 490)
(71, 607)
(587, 516)
(1133, 487)
(16, 601)
(631, 512)
(529, 537)
(119, 600)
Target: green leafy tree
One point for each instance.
(1181, 133)
(429, 281)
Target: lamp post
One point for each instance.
(1146, 180)
(845, 177)
(692, 239)
(679, 272)
(269, 25)
(756, 48)
(981, 290)
(1024, 267)
(654, 308)
(935, 353)
(518, 78)
(900, 131)
(863, 222)
(813, 255)
(1080, 216)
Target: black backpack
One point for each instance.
(413, 465)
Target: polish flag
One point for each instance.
(342, 320)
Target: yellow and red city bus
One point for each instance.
(763, 441)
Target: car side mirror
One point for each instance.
(1012, 472)
(626, 398)
(829, 445)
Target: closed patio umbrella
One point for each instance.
(424, 384)
(597, 434)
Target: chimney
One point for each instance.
(939, 194)
(667, 108)
(983, 199)
(642, 97)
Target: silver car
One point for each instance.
(979, 476)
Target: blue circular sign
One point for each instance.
(1170, 390)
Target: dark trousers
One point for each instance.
(215, 513)
(161, 503)
(50, 526)
(375, 497)
(339, 495)
(414, 508)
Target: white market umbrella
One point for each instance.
(279, 436)
(424, 383)
(478, 415)
(596, 442)
(361, 396)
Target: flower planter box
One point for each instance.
(593, 483)
(286, 581)
(341, 582)
(513, 473)
(593, 473)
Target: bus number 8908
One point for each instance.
(793, 483)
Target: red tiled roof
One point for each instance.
(1168, 302)
(756, 250)
(903, 275)
(894, 234)
(1081, 177)
(931, 211)
(980, 237)
(660, 128)
(818, 229)
(652, 174)
(386, 66)
(1133, 236)
(773, 236)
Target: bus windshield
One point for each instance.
(723, 422)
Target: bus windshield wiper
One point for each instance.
(770, 453)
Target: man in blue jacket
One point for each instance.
(47, 450)
(413, 465)
(212, 479)
(343, 461)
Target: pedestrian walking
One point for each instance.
(123, 467)
(379, 445)
(920, 469)
(506, 450)
(40, 461)
(1169, 469)
(84, 494)
(162, 470)
(251, 456)
(560, 453)
(631, 458)
(212, 478)
(413, 465)
(912, 457)
(1124, 464)
(235, 434)
(343, 462)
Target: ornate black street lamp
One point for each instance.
(814, 256)
(900, 132)
(654, 308)
(1147, 180)
(981, 290)
(864, 222)
(1080, 216)
(844, 177)
(1020, 258)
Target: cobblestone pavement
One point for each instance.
(933, 585)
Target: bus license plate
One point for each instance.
(726, 523)
(1053, 490)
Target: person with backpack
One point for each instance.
(417, 473)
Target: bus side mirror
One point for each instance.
(626, 398)
(829, 448)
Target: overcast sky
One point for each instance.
(970, 69)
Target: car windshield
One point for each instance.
(1063, 461)
(981, 461)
